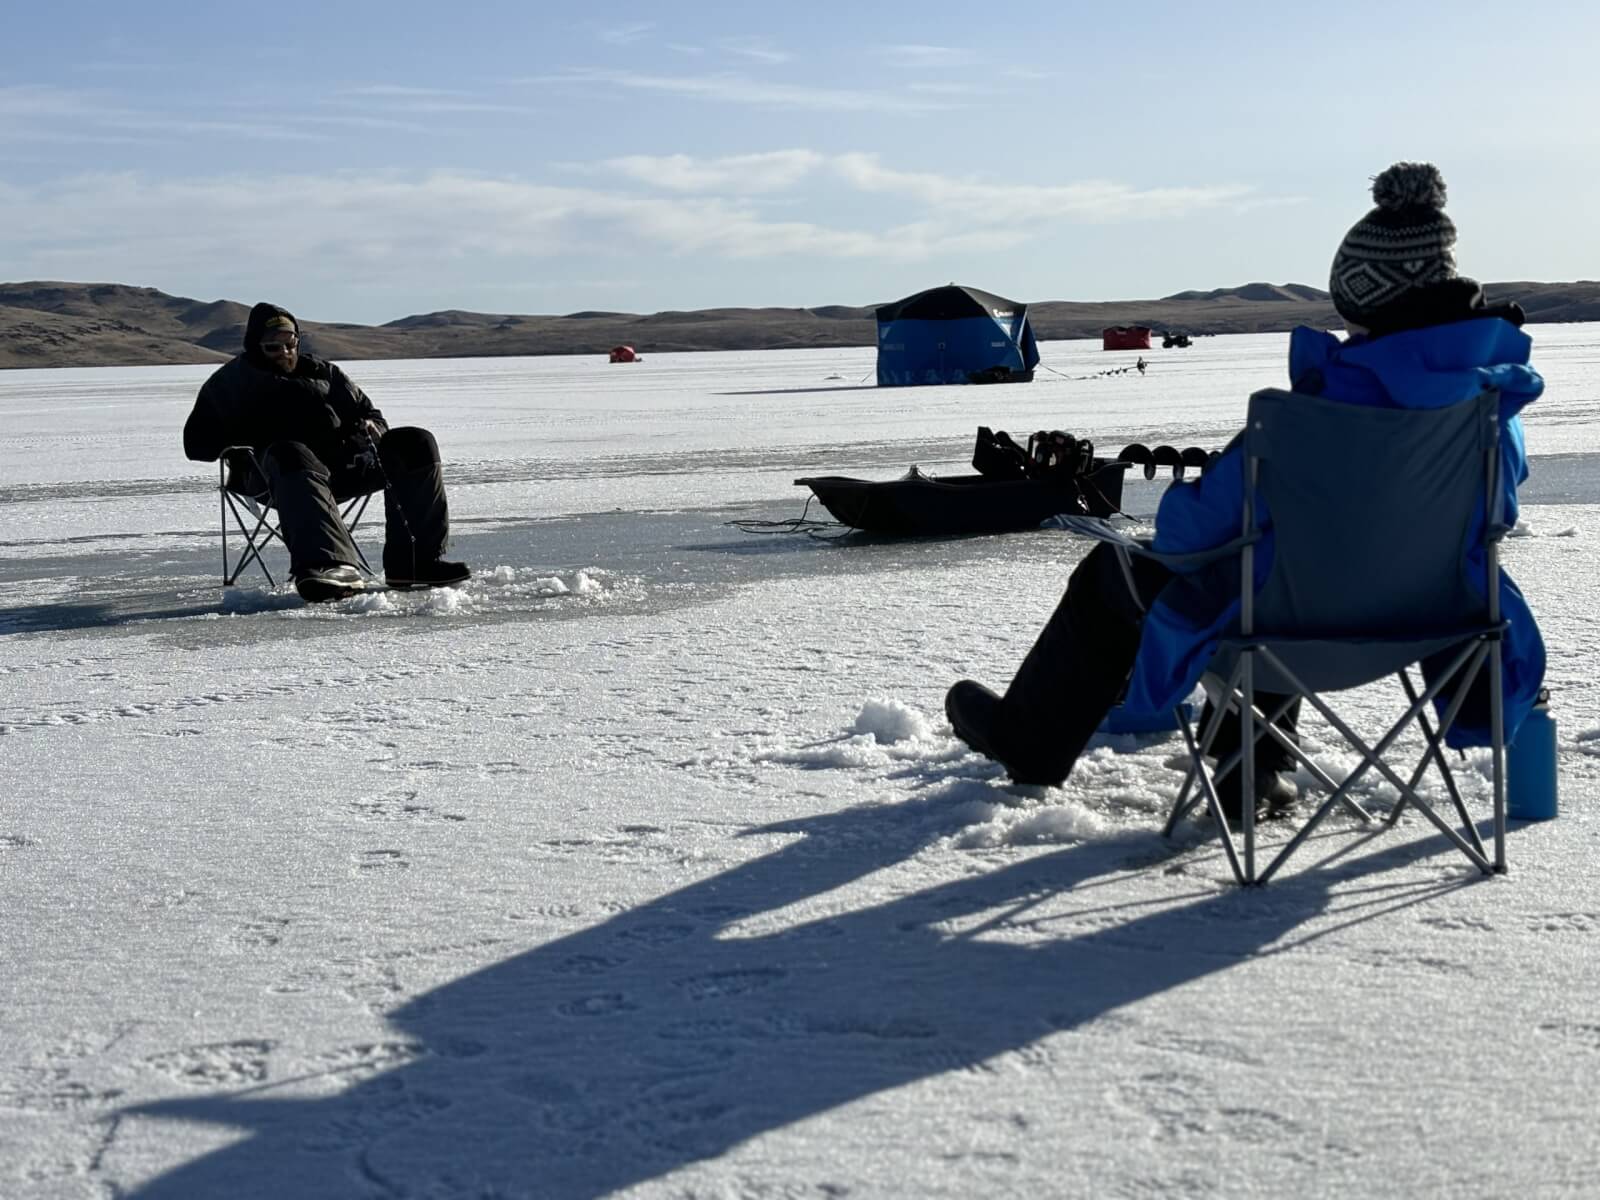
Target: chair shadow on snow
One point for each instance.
(676, 1031)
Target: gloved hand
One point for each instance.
(364, 446)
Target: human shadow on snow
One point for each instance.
(69, 616)
(678, 1030)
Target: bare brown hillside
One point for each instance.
(47, 324)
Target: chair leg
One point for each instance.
(1214, 804)
(1304, 831)
(1185, 803)
(1255, 723)
(252, 551)
(1436, 757)
(1497, 752)
(1247, 764)
(222, 506)
(1372, 756)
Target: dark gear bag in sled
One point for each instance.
(996, 456)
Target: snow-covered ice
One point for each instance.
(646, 864)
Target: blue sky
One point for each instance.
(361, 161)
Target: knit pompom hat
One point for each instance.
(1404, 244)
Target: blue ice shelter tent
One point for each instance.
(955, 334)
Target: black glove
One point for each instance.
(363, 455)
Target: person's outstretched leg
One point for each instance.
(416, 513)
(308, 517)
(1069, 680)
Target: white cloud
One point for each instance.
(625, 35)
(737, 89)
(362, 121)
(121, 67)
(949, 87)
(28, 102)
(377, 229)
(974, 203)
(404, 91)
(776, 170)
(922, 57)
(32, 114)
(759, 48)
(163, 127)
(130, 226)
(450, 107)
(1090, 200)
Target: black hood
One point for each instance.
(257, 325)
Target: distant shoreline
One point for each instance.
(51, 324)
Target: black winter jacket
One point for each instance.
(243, 404)
(249, 402)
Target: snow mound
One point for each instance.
(885, 733)
(1523, 529)
(845, 752)
(445, 601)
(891, 721)
(590, 582)
(367, 602)
(1050, 825)
(490, 589)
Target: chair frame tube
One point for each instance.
(351, 511)
(1239, 693)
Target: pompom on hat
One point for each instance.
(1402, 246)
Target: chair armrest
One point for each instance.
(1181, 564)
(239, 471)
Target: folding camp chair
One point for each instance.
(1372, 511)
(247, 498)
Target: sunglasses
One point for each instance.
(280, 345)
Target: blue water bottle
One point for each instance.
(1531, 766)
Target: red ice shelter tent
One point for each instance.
(1125, 337)
(623, 354)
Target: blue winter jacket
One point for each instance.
(1421, 368)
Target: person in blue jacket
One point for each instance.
(1420, 336)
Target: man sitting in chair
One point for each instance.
(318, 439)
(1421, 336)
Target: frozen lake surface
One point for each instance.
(645, 864)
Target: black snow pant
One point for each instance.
(307, 492)
(1079, 667)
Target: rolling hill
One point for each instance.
(53, 324)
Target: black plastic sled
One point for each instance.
(920, 505)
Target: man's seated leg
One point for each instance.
(417, 515)
(322, 557)
(1275, 788)
(1069, 680)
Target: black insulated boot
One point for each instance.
(318, 585)
(1276, 793)
(978, 718)
(438, 573)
